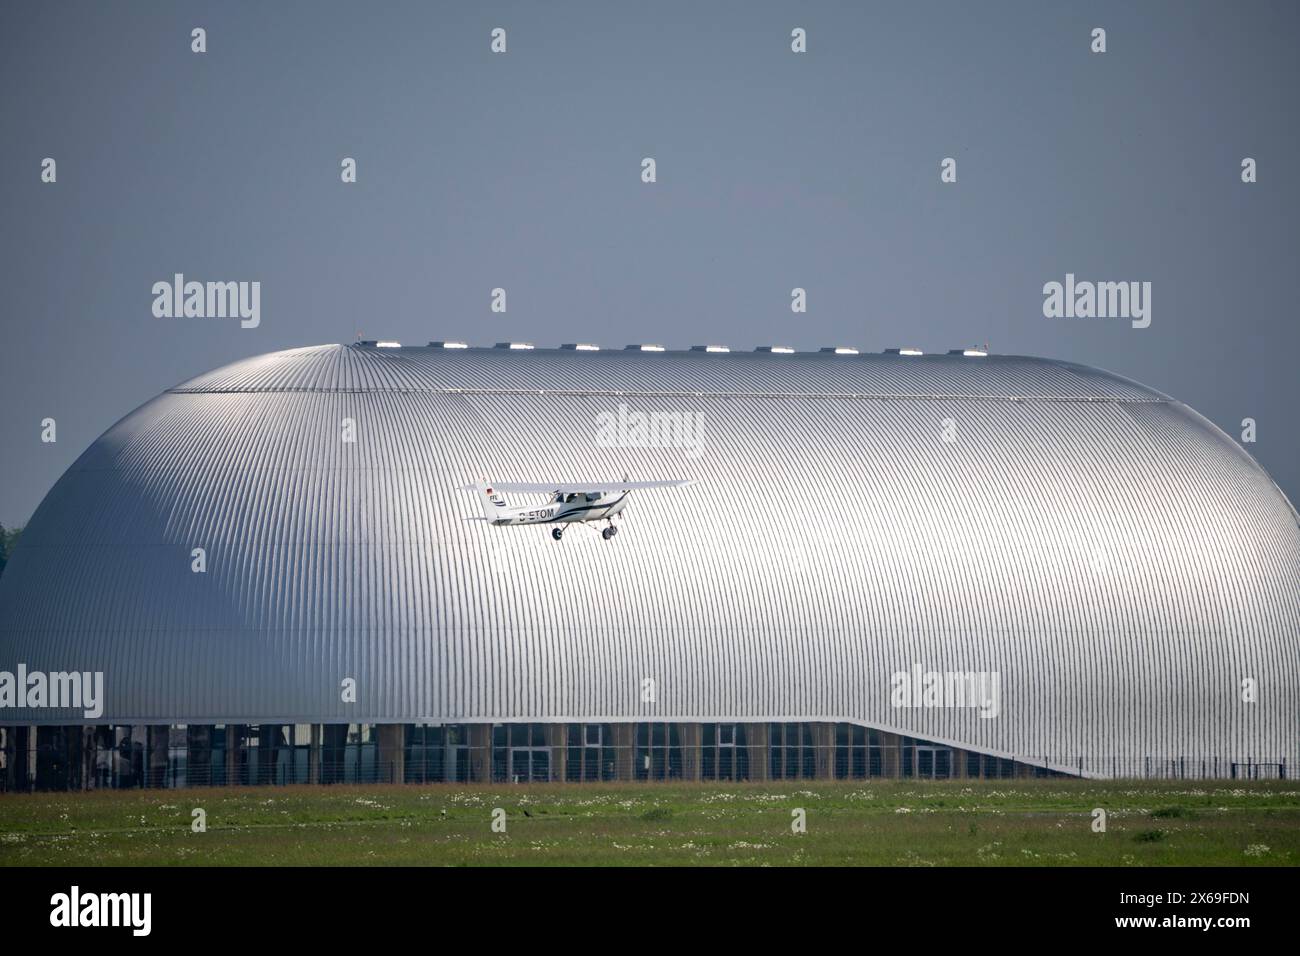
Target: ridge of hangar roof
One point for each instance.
(623, 372)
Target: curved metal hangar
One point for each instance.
(898, 564)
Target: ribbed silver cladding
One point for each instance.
(1118, 561)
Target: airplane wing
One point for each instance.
(564, 488)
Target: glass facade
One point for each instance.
(658, 752)
(724, 754)
(521, 753)
(60, 758)
(436, 753)
(590, 752)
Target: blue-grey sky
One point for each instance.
(775, 170)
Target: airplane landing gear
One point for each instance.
(607, 533)
(557, 533)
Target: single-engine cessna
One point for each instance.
(568, 504)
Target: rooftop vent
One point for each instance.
(709, 348)
(581, 347)
(388, 345)
(967, 352)
(448, 345)
(644, 348)
(514, 345)
(841, 350)
(903, 352)
(775, 349)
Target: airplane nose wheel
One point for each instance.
(607, 533)
(557, 533)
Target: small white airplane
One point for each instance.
(569, 504)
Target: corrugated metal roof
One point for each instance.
(1119, 561)
(354, 368)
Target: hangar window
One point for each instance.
(998, 767)
(933, 762)
(197, 741)
(879, 756)
(178, 753)
(349, 753)
(851, 745)
(437, 752)
(128, 757)
(722, 753)
(521, 753)
(282, 753)
(456, 751)
(792, 752)
(658, 752)
(920, 758)
(590, 754)
(217, 760)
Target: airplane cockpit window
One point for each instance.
(570, 498)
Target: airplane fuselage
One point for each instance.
(581, 507)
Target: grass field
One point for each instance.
(965, 823)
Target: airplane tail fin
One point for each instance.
(491, 501)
